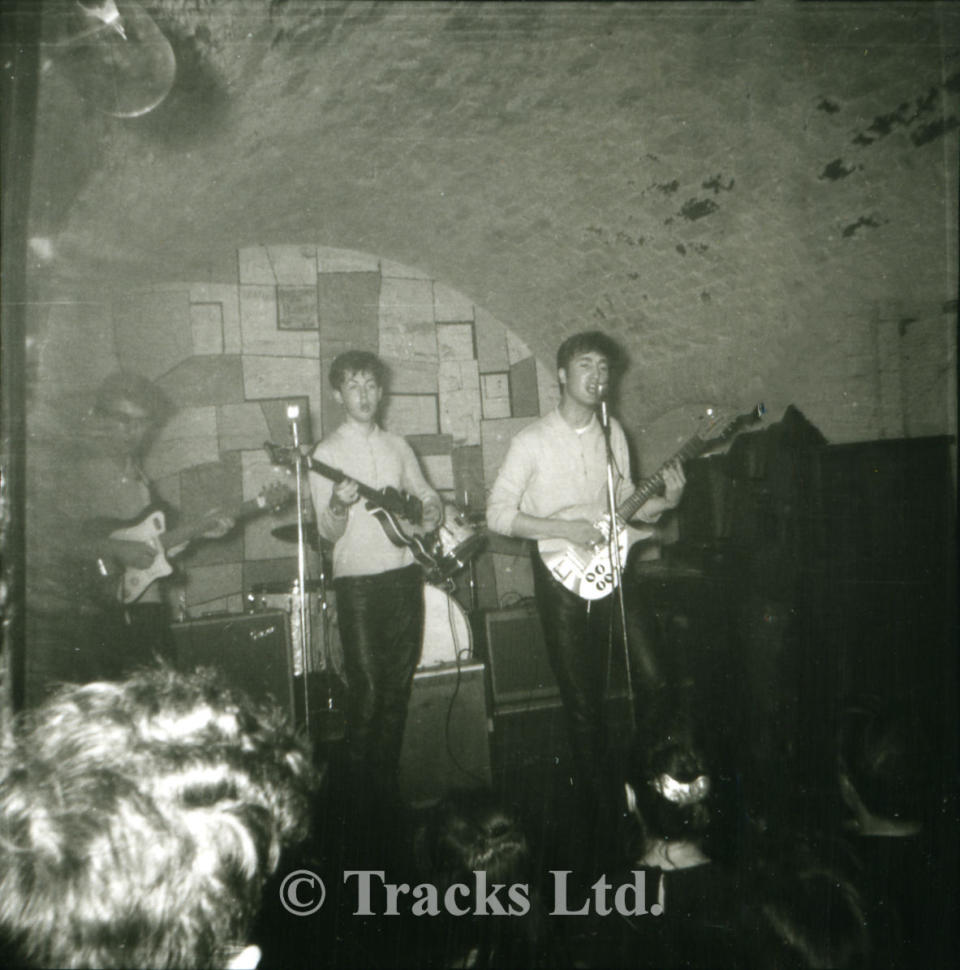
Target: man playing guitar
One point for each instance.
(379, 586)
(79, 629)
(553, 486)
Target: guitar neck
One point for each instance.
(335, 475)
(177, 537)
(649, 486)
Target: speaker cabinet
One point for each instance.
(520, 673)
(251, 650)
(446, 743)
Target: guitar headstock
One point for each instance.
(280, 454)
(275, 496)
(720, 425)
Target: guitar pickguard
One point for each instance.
(136, 581)
(588, 572)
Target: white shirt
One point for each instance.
(376, 459)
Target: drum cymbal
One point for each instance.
(288, 533)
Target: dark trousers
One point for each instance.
(579, 638)
(381, 628)
(584, 643)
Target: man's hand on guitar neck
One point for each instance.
(344, 494)
(673, 482)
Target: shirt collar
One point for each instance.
(589, 427)
(351, 430)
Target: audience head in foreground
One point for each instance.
(668, 799)
(139, 821)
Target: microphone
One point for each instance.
(602, 390)
(293, 416)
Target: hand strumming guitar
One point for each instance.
(432, 514)
(582, 532)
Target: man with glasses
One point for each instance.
(84, 485)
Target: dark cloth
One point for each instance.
(381, 628)
(901, 883)
(698, 927)
(88, 645)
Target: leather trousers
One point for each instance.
(381, 628)
(577, 635)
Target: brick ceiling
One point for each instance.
(700, 179)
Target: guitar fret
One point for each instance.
(565, 564)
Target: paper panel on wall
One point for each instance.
(206, 323)
(348, 311)
(226, 296)
(259, 329)
(460, 410)
(450, 305)
(407, 330)
(410, 414)
(455, 341)
(495, 395)
(204, 380)
(491, 336)
(297, 307)
(289, 265)
(275, 378)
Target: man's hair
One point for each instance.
(139, 821)
(591, 341)
(677, 755)
(470, 830)
(356, 362)
(126, 385)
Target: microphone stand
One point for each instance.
(293, 412)
(613, 545)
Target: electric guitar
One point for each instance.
(400, 514)
(588, 570)
(128, 584)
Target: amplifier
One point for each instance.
(519, 669)
(446, 742)
(520, 674)
(251, 650)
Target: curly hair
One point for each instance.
(139, 821)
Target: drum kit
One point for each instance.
(314, 630)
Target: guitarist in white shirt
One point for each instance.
(378, 584)
(553, 486)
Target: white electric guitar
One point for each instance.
(128, 584)
(589, 571)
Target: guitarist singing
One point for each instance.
(552, 486)
(379, 587)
